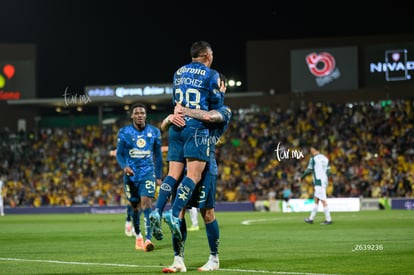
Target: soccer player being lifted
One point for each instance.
(196, 86)
(203, 196)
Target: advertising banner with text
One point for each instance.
(387, 64)
(17, 71)
(335, 205)
(324, 69)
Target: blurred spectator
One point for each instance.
(369, 146)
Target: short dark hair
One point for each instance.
(135, 105)
(199, 48)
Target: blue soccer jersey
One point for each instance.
(216, 131)
(140, 150)
(205, 193)
(196, 86)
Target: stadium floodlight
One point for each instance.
(234, 83)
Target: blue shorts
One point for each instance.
(135, 190)
(204, 195)
(188, 143)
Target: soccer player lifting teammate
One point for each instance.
(196, 86)
(204, 194)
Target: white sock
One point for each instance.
(327, 214)
(314, 211)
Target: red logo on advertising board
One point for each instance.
(7, 73)
(322, 64)
(323, 67)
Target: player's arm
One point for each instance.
(328, 171)
(307, 172)
(212, 116)
(309, 169)
(120, 157)
(112, 153)
(176, 119)
(165, 123)
(158, 156)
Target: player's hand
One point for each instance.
(178, 109)
(128, 171)
(177, 120)
(159, 182)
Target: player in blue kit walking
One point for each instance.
(138, 153)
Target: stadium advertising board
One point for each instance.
(324, 69)
(388, 64)
(402, 204)
(335, 205)
(17, 72)
(121, 91)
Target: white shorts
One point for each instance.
(320, 192)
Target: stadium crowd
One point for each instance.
(369, 144)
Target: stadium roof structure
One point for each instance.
(114, 100)
(102, 106)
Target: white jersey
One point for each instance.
(319, 165)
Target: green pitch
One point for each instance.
(369, 242)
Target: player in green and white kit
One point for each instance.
(319, 167)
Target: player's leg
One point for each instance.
(328, 218)
(175, 170)
(185, 189)
(194, 219)
(176, 164)
(147, 192)
(132, 195)
(1, 204)
(146, 210)
(196, 148)
(207, 203)
(319, 193)
(129, 228)
(168, 185)
(213, 238)
(178, 248)
(313, 212)
(136, 217)
(184, 192)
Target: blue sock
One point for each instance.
(148, 232)
(213, 237)
(129, 213)
(184, 192)
(135, 220)
(178, 246)
(165, 193)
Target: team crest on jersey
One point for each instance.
(149, 134)
(141, 142)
